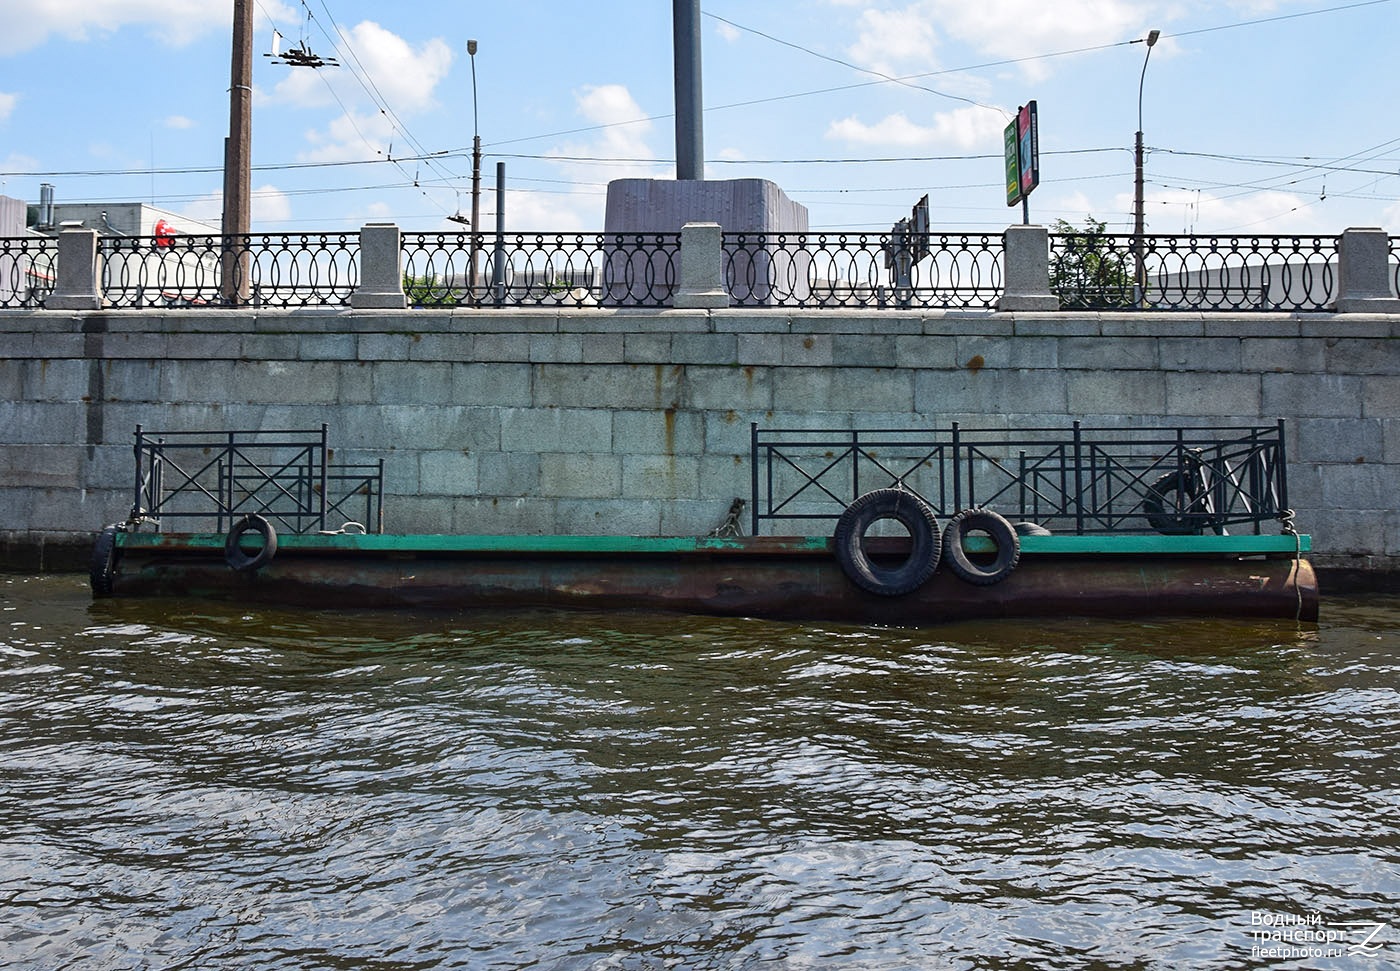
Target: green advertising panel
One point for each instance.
(1011, 144)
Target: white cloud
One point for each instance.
(269, 204)
(15, 162)
(206, 209)
(1259, 213)
(354, 137)
(624, 137)
(904, 40)
(613, 104)
(1390, 219)
(179, 122)
(727, 32)
(404, 77)
(1011, 28)
(7, 105)
(1172, 211)
(558, 212)
(965, 129)
(29, 23)
(892, 40)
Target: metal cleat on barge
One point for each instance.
(903, 528)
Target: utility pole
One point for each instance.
(690, 135)
(238, 147)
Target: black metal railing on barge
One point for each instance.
(1081, 480)
(286, 476)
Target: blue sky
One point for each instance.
(1260, 116)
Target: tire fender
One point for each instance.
(1161, 503)
(926, 543)
(1003, 536)
(103, 566)
(245, 562)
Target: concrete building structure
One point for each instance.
(637, 422)
(630, 421)
(130, 234)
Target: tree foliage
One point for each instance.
(426, 291)
(1086, 271)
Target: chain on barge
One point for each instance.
(868, 526)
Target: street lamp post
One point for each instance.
(476, 175)
(1139, 263)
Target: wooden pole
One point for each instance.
(235, 281)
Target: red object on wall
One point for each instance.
(165, 233)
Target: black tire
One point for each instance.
(245, 562)
(1173, 490)
(1003, 536)
(926, 543)
(103, 568)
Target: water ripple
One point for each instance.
(186, 786)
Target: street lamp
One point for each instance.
(1140, 271)
(476, 172)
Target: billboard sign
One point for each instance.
(1028, 147)
(1021, 148)
(1011, 148)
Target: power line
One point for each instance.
(615, 160)
(1260, 160)
(366, 80)
(1270, 20)
(903, 79)
(883, 79)
(863, 70)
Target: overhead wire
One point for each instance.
(366, 81)
(445, 176)
(855, 67)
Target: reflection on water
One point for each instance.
(203, 786)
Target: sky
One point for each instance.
(1260, 117)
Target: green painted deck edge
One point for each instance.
(449, 543)
(1163, 545)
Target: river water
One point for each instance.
(187, 785)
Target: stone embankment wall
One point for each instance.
(635, 422)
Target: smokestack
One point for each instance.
(45, 206)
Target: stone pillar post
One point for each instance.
(1026, 270)
(1364, 280)
(702, 268)
(381, 269)
(76, 285)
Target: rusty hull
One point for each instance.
(793, 578)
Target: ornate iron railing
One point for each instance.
(1096, 271)
(258, 270)
(28, 269)
(194, 477)
(1082, 479)
(941, 270)
(541, 269)
(816, 270)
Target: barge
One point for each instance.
(918, 528)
